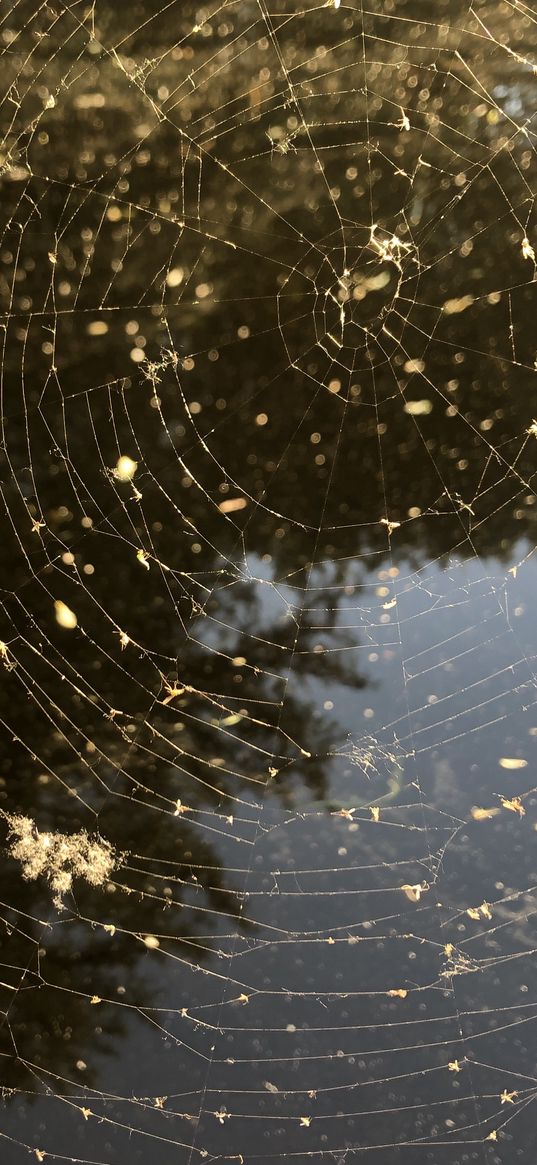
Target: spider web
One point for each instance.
(268, 701)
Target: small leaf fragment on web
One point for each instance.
(345, 813)
(270, 1087)
(483, 814)
(453, 307)
(96, 999)
(65, 617)
(391, 526)
(398, 993)
(172, 691)
(243, 998)
(5, 657)
(514, 804)
(151, 941)
(527, 249)
(508, 1097)
(110, 928)
(414, 893)
(418, 408)
(478, 912)
(231, 505)
(493, 1136)
(512, 762)
(180, 808)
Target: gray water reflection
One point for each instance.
(284, 262)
